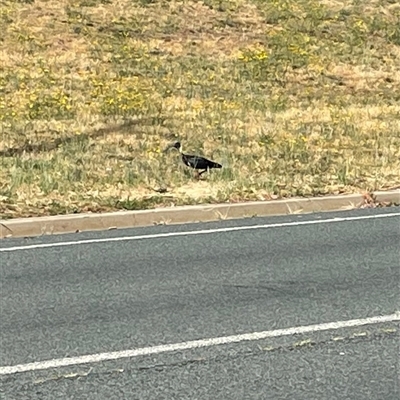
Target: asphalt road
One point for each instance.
(75, 299)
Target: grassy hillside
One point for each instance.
(293, 97)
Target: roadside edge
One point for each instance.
(59, 224)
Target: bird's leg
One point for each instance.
(202, 172)
(196, 174)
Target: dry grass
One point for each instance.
(293, 97)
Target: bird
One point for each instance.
(195, 162)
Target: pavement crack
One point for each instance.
(162, 366)
(351, 338)
(70, 375)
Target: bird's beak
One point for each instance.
(167, 148)
(170, 146)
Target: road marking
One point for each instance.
(195, 344)
(199, 232)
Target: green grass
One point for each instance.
(294, 98)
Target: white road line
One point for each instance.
(145, 351)
(199, 232)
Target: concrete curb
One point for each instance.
(37, 226)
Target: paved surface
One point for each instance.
(109, 296)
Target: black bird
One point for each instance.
(195, 162)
